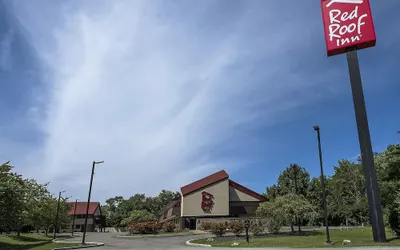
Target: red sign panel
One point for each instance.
(207, 202)
(347, 23)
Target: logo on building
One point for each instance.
(207, 202)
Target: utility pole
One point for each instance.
(73, 218)
(88, 203)
(58, 208)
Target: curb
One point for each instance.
(153, 236)
(189, 243)
(92, 244)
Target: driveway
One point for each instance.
(111, 242)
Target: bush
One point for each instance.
(394, 221)
(144, 227)
(256, 228)
(236, 227)
(218, 228)
(273, 225)
(206, 225)
(169, 227)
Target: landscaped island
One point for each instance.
(306, 239)
(30, 241)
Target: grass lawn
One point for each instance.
(164, 234)
(310, 239)
(30, 241)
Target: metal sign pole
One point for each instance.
(367, 156)
(247, 225)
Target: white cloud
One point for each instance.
(149, 93)
(5, 47)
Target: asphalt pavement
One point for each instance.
(111, 242)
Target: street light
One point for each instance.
(328, 238)
(58, 208)
(73, 218)
(88, 203)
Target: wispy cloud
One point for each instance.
(5, 50)
(153, 88)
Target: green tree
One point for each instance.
(294, 180)
(272, 192)
(347, 200)
(314, 196)
(27, 203)
(11, 198)
(47, 213)
(138, 216)
(284, 209)
(118, 211)
(274, 217)
(163, 198)
(109, 210)
(34, 195)
(387, 164)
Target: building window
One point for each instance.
(77, 226)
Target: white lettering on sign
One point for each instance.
(344, 1)
(345, 33)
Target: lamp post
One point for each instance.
(328, 238)
(88, 203)
(58, 209)
(73, 218)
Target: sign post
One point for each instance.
(349, 27)
(246, 226)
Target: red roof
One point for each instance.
(81, 208)
(202, 183)
(247, 191)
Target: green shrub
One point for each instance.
(144, 227)
(236, 227)
(256, 228)
(218, 228)
(206, 225)
(138, 216)
(394, 221)
(169, 227)
(273, 225)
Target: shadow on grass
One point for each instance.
(270, 235)
(7, 246)
(301, 233)
(291, 234)
(25, 238)
(392, 239)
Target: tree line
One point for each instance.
(121, 212)
(27, 205)
(296, 199)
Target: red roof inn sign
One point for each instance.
(349, 27)
(347, 23)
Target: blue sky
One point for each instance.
(168, 92)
